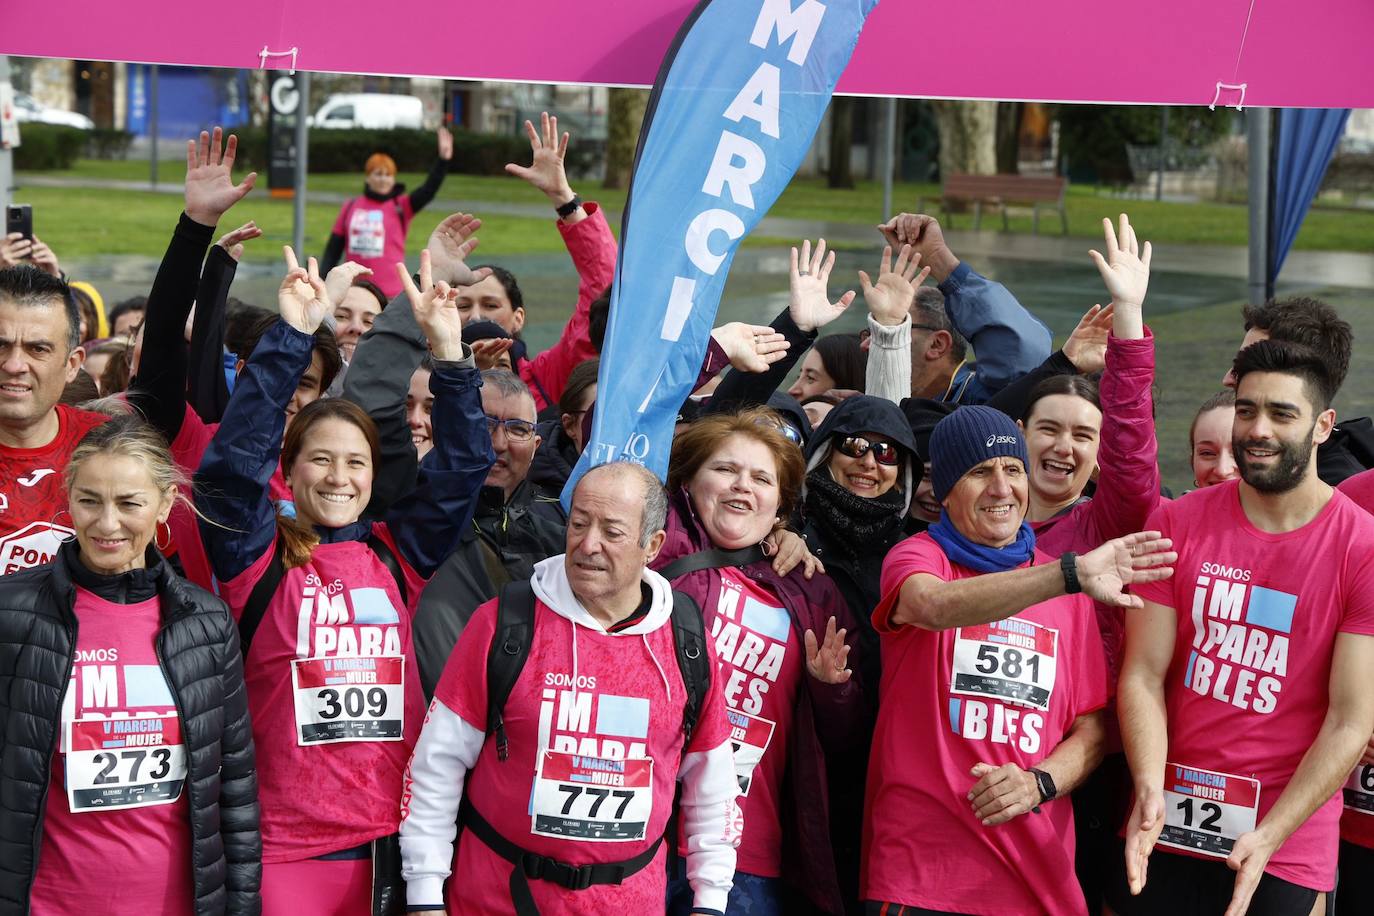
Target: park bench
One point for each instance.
(999, 191)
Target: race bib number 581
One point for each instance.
(1207, 812)
(1012, 660)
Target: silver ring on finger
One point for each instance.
(803, 273)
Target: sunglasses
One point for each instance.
(517, 430)
(885, 453)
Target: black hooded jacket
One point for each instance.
(198, 651)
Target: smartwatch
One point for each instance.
(569, 208)
(1069, 564)
(1045, 783)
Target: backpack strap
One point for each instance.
(393, 566)
(259, 598)
(693, 659)
(510, 646)
(711, 558)
(261, 595)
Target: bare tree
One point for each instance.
(968, 137)
(841, 174)
(624, 115)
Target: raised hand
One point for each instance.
(1141, 557)
(43, 258)
(546, 171)
(436, 310)
(924, 235)
(889, 300)
(810, 306)
(1002, 793)
(445, 143)
(338, 280)
(210, 191)
(1126, 268)
(750, 347)
(487, 353)
(1086, 347)
(449, 246)
(302, 298)
(232, 242)
(828, 662)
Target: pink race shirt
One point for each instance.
(117, 827)
(374, 234)
(997, 693)
(334, 696)
(1357, 820)
(586, 703)
(760, 670)
(1246, 692)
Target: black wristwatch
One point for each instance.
(1045, 783)
(569, 208)
(1069, 564)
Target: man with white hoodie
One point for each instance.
(565, 805)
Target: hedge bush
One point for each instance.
(49, 146)
(414, 150)
(108, 143)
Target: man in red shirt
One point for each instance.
(39, 354)
(993, 685)
(1244, 697)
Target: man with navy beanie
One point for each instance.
(990, 707)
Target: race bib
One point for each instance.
(592, 798)
(366, 234)
(348, 699)
(749, 739)
(124, 763)
(1207, 812)
(1011, 660)
(1359, 789)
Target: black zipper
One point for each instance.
(52, 748)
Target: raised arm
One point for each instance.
(889, 323)
(421, 196)
(206, 389)
(237, 521)
(159, 389)
(428, 522)
(809, 309)
(1084, 353)
(593, 249)
(1008, 340)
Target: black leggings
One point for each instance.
(1355, 885)
(1181, 885)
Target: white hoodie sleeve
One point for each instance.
(712, 823)
(889, 361)
(447, 750)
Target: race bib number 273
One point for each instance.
(124, 762)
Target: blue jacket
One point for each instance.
(1008, 340)
(232, 482)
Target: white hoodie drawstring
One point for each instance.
(574, 671)
(667, 688)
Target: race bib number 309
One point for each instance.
(592, 798)
(124, 763)
(1207, 812)
(348, 699)
(1012, 660)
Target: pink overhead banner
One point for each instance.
(1286, 53)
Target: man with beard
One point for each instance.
(1244, 698)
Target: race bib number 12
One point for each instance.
(592, 798)
(1207, 812)
(1359, 789)
(124, 763)
(1012, 660)
(348, 699)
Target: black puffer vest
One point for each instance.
(198, 650)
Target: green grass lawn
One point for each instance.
(1326, 228)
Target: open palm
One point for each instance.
(210, 189)
(810, 306)
(1126, 268)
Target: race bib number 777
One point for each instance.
(592, 798)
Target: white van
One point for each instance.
(370, 110)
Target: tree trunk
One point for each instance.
(624, 115)
(968, 137)
(1009, 136)
(841, 142)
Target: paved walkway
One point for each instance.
(1323, 268)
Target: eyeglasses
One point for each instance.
(885, 453)
(517, 430)
(790, 432)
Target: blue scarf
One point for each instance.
(980, 557)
